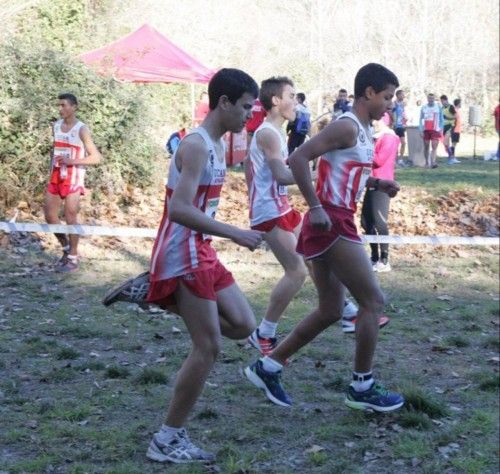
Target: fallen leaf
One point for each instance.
(314, 449)
(175, 330)
(444, 298)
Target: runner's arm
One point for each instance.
(192, 155)
(92, 157)
(268, 142)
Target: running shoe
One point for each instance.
(349, 325)
(68, 265)
(134, 290)
(263, 344)
(382, 267)
(376, 398)
(270, 382)
(350, 310)
(179, 450)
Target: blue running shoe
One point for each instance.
(377, 398)
(269, 382)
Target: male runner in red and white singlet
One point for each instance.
(72, 152)
(185, 272)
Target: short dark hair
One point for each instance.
(457, 102)
(343, 91)
(399, 91)
(71, 98)
(301, 97)
(232, 83)
(373, 75)
(443, 97)
(272, 87)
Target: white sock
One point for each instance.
(166, 433)
(267, 328)
(270, 365)
(362, 381)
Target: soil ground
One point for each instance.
(83, 387)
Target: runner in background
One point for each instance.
(73, 150)
(431, 126)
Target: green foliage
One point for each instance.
(30, 80)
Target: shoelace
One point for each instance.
(380, 389)
(182, 434)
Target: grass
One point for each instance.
(83, 388)
(472, 175)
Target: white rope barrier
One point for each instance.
(86, 230)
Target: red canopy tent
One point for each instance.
(146, 56)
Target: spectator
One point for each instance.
(457, 130)
(448, 124)
(201, 110)
(258, 116)
(399, 121)
(375, 210)
(301, 126)
(341, 105)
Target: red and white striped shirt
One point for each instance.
(268, 199)
(342, 174)
(68, 144)
(178, 249)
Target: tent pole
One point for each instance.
(192, 103)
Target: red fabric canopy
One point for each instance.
(146, 56)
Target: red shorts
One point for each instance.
(431, 135)
(64, 189)
(288, 222)
(313, 242)
(203, 283)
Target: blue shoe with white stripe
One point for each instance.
(270, 382)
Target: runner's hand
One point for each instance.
(319, 219)
(389, 187)
(250, 239)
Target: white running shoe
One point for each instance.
(179, 450)
(382, 267)
(350, 310)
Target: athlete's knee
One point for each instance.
(329, 313)
(71, 216)
(374, 302)
(208, 349)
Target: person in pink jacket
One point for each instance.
(375, 208)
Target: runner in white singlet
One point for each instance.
(270, 210)
(185, 271)
(73, 150)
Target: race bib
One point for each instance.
(66, 152)
(210, 211)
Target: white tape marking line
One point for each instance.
(143, 232)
